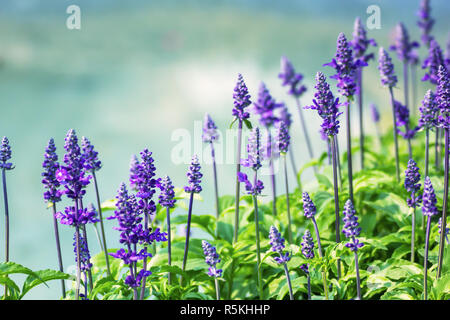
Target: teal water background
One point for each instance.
(139, 70)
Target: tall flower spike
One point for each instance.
(210, 133)
(285, 115)
(307, 245)
(5, 155)
(428, 111)
(241, 99)
(402, 45)
(90, 156)
(345, 67)
(388, 77)
(283, 138)
(145, 181)
(309, 208)
(277, 244)
(432, 62)
(85, 256)
(265, 107)
(412, 185)
(194, 176)
(212, 258)
(50, 165)
(360, 43)
(72, 174)
(290, 78)
(443, 97)
(134, 167)
(326, 105)
(351, 227)
(254, 150)
(374, 113)
(425, 21)
(167, 195)
(429, 199)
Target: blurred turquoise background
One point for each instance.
(139, 70)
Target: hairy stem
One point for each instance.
(361, 123)
(102, 227)
(286, 271)
(258, 246)
(216, 189)
(444, 203)
(425, 260)
(358, 281)
(58, 249)
(394, 117)
(238, 169)
(336, 202)
(349, 154)
(287, 200)
(169, 245)
(188, 232)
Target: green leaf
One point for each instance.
(43, 276)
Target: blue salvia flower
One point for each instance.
(326, 105)
(428, 111)
(374, 113)
(194, 176)
(144, 179)
(432, 62)
(282, 138)
(210, 133)
(85, 256)
(425, 21)
(429, 201)
(50, 165)
(351, 227)
(90, 156)
(309, 208)
(412, 185)
(345, 67)
(307, 249)
(84, 216)
(402, 117)
(277, 244)
(307, 245)
(290, 78)
(212, 258)
(249, 187)
(403, 46)
(72, 174)
(241, 100)
(285, 115)
(167, 195)
(360, 44)
(134, 167)
(5, 155)
(254, 151)
(386, 67)
(129, 216)
(265, 107)
(443, 97)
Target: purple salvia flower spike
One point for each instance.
(386, 67)
(429, 201)
(282, 138)
(290, 78)
(432, 62)
(5, 155)
(194, 176)
(307, 245)
(425, 22)
(212, 259)
(412, 185)
(265, 107)
(241, 100)
(345, 67)
(277, 244)
(90, 156)
(428, 111)
(50, 166)
(167, 195)
(402, 45)
(309, 209)
(210, 133)
(374, 113)
(360, 43)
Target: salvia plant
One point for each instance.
(163, 246)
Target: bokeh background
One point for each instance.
(139, 69)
